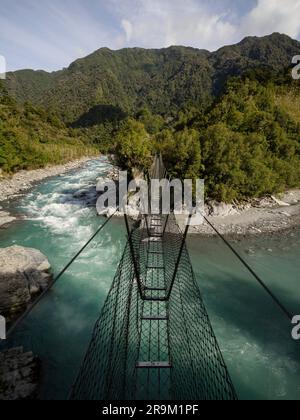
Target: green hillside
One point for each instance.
(246, 144)
(163, 80)
(230, 117)
(31, 138)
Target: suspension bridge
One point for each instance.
(153, 339)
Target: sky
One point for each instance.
(50, 34)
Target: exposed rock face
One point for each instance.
(24, 272)
(19, 373)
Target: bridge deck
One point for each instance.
(154, 376)
(153, 339)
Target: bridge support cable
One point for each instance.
(262, 283)
(281, 306)
(55, 280)
(151, 346)
(134, 255)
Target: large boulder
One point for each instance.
(19, 374)
(24, 273)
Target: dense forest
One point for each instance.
(246, 144)
(231, 117)
(31, 137)
(162, 80)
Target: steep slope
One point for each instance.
(31, 138)
(163, 79)
(127, 78)
(273, 52)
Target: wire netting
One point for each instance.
(153, 339)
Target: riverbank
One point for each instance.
(261, 217)
(22, 181)
(265, 216)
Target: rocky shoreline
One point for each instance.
(266, 216)
(22, 181)
(24, 274)
(19, 374)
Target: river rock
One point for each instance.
(19, 373)
(280, 203)
(24, 272)
(264, 202)
(216, 209)
(5, 218)
(131, 212)
(80, 194)
(23, 180)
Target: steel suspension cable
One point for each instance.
(62, 272)
(251, 270)
(281, 306)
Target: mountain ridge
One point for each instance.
(161, 79)
(273, 35)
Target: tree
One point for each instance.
(181, 152)
(133, 146)
(152, 123)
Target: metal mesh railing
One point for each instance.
(199, 371)
(109, 365)
(148, 343)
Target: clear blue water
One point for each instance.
(254, 336)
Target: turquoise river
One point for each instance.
(253, 334)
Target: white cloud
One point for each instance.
(273, 16)
(51, 34)
(127, 26)
(158, 23)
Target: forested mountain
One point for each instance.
(246, 144)
(163, 80)
(231, 117)
(31, 137)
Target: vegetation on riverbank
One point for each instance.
(31, 138)
(247, 144)
(230, 117)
